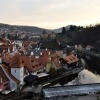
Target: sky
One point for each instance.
(50, 14)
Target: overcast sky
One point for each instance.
(49, 14)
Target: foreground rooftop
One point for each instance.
(75, 92)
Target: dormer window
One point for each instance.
(33, 66)
(36, 65)
(22, 61)
(32, 61)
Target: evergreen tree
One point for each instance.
(8, 35)
(72, 28)
(64, 31)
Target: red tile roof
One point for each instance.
(57, 62)
(27, 43)
(31, 63)
(9, 73)
(3, 77)
(71, 59)
(15, 61)
(5, 41)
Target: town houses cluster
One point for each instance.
(20, 58)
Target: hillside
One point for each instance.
(89, 35)
(32, 29)
(59, 30)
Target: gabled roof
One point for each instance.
(57, 62)
(31, 63)
(15, 61)
(3, 77)
(26, 60)
(9, 73)
(71, 59)
(5, 47)
(4, 41)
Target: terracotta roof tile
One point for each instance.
(71, 59)
(31, 63)
(3, 77)
(15, 61)
(57, 62)
(9, 73)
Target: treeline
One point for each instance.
(87, 36)
(69, 36)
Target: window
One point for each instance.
(33, 66)
(32, 61)
(22, 61)
(70, 58)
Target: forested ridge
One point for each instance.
(88, 36)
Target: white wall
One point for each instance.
(18, 73)
(19, 43)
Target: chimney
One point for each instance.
(32, 53)
(46, 49)
(38, 48)
(8, 50)
(49, 53)
(41, 53)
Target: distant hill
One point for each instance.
(89, 35)
(59, 30)
(32, 29)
